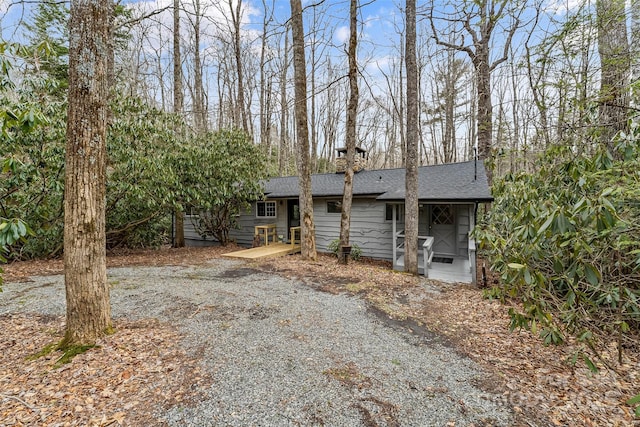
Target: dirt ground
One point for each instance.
(537, 382)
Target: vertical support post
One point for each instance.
(395, 243)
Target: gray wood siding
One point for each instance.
(369, 230)
(248, 220)
(463, 215)
(191, 236)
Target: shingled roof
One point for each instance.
(466, 181)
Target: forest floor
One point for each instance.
(539, 383)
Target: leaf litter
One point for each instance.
(143, 367)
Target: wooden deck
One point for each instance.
(262, 252)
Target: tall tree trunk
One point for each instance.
(87, 290)
(284, 110)
(411, 193)
(352, 111)
(300, 77)
(199, 108)
(485, 106)
(265, 88)
(488, 16)
(635, 53)
(178, 101)
(613, 47)
(401, 109)
(235, 19)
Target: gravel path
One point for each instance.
(284, 354)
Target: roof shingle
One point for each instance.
(465, 181)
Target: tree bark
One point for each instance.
(615, 60)
(308, 242)
(178, 101)
(411, 184)
(87, 290)
(235, 19)
(265, 88)
(284, 110)
(352, 111)
(199, 107)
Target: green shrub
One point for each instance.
(566, 242)
(334, 248)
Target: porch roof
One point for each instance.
(464, 181)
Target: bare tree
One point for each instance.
(352, 111)
(308, 240)
(199, 107)
(635, 54)
(265, 81)
(87, 289)
(236, 15)
(479, 20)
(411, 177)
(615, 61)
(284, 108)
(178, 100)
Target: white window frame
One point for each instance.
(267, 210)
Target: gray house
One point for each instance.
(448, 198)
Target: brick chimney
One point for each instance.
(359, 161)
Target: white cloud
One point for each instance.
(562, 7)
(341, 35)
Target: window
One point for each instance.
(442, 215)
(388, 213)
(334, 206)
(265, 209)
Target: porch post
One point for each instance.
(393, 216)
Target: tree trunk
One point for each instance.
(235, 18)
(485, 107)
(411, 193)
(199, 108)
(615, 61)
(87, 290)
(352, 111)
(265, 88)
(487, 16)
(308, 240)
(635, 53)
(178, 101)
(284, 110)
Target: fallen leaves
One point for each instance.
(142, 367)
(21, 270)
(537, 382)
(131, 374)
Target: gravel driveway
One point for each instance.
(282, 353)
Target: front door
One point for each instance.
(443, 229)
(293, 215)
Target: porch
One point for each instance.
(445, 268)
(445, 251)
